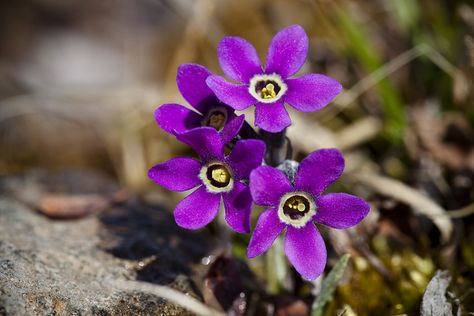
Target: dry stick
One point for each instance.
(408, 195)
(373, 260)
(462, 212)
(351, 136)
(358, 132)
(302, 125)
(438, 59)
(349, 96)
(169, 294)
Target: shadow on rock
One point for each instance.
(150, 236)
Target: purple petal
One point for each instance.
(237, 96)
(197, 209)
(340, 210)
(238, 59)
(267, 230)
(287, 51)
(238, 203)
(191, 80)
(246, 156)
(232, 127)
(205, 141)
(306, 250)
(175, 118)
(311, 92)
(272, 117)
(268, 185)
(319, 170)
(177, 174)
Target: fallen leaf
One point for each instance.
(448, 138)
(64, 206)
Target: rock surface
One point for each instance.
(51, 267)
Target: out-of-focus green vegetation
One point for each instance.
(357, 44)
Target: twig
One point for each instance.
(462, 212)
(353, 135)
(375, 262)
(342, 313)
(316, 135)
(375, 77)
(358, 132)
(169, 294)
(349, 96)
(406, 194)
(438, 59)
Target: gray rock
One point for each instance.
(52, 267)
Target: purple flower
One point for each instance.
(215, 176)
(176, 119)
(269, 89)
(296, 206)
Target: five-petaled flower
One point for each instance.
(295, 206)
(176, 119)
(269, 89)
(216, 176)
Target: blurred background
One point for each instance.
(79, 81)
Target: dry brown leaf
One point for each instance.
(63, 206)
(446, 138)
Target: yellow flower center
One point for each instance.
(217, 177)
(216, 118)
(267, 88)
(220, 175)
(268, 92)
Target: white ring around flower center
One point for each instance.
(219, 172)
(272, 80)
(309, 212)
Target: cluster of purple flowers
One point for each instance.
(242, 177)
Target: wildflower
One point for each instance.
(268, 89)
(176, 119)
(215, 176)
(296, 206)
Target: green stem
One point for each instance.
(277, 267)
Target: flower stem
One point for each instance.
(223, 231)
(278, 147)
(247, 132)
(277, 268)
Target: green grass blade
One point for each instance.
(329, 285)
